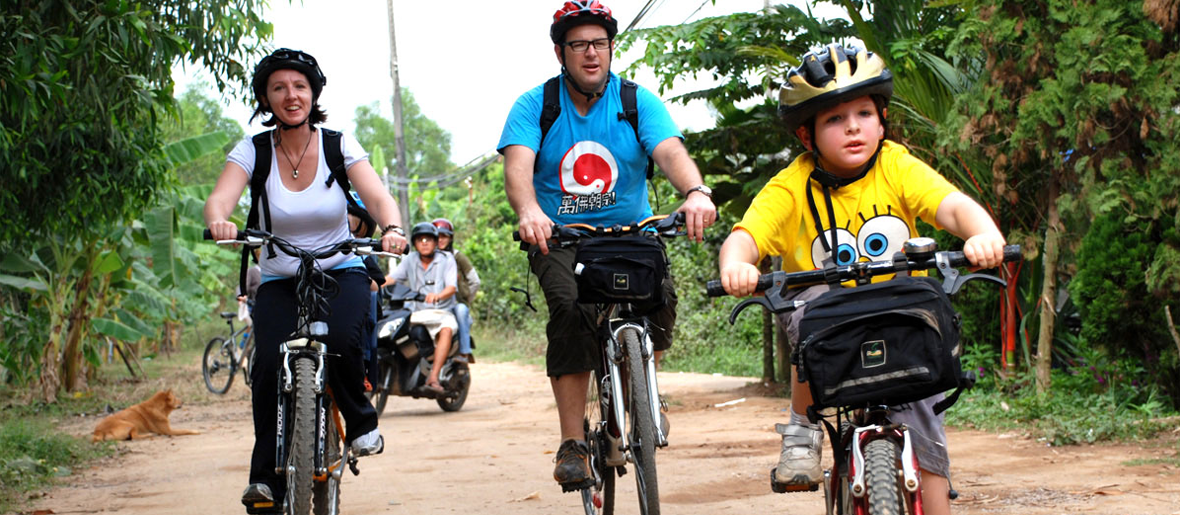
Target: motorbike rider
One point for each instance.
(429, 271)
(468, 285)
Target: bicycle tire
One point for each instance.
(218, 365)
(300, 459)
(326, 494)
(596, 406)
(643, 428)
(881, 467)
(461, 376)
(249, 372)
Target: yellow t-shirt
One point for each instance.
(874, 215)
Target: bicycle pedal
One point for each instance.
(264, 508)
(782, 488)
(575, 487)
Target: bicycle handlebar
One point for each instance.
(854, 271)
(564, 235)
(257, 238)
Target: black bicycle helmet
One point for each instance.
(367, 223)
(581, 12)
(423, 229)
(831, 75)
(287, 59)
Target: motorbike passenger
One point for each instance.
(432, 272)
(308, 211)
(468, 286)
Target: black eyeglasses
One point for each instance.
(581, 45)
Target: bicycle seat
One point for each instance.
(228, 314)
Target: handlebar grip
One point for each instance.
(714, 289)
(515, 235)
(958, 259)
(209, 235)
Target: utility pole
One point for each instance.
(403, 196)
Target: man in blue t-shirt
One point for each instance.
(590, 169)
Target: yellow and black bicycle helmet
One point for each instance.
(830, 75)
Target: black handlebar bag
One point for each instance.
(886, 343)
(620, 269)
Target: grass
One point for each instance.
(35, 451)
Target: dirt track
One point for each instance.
(495, 456)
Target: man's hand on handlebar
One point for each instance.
(739, 278)
(536, 228)
(699, 213)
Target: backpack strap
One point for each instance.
(334, 156)
(630, 113)
(550, 109)
(262, 156)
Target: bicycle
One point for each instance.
(310, 444)
(875, 469)
(224, 356)
(626, 351)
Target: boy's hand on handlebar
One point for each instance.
(699, 213)
(393, 242)
(739, 279)
(985, 250)
(536, 228)
(223, 230)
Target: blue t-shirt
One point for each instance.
(591, 168)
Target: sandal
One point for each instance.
(435, 387)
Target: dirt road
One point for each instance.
(495, 456)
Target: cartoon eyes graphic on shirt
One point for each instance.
(881, 236)
(878, 238)
(846, 252)
(588, 168)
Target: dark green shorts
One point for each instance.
(571, 330)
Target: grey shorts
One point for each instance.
(572, 328)
(926, 428)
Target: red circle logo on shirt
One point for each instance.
(588, 168)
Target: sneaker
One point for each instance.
(799, 463)
(258, 497)
(573, 466)
(368, 444)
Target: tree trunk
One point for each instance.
(1048, 290)
(79, 320)
(767, 335)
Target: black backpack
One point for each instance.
(551, 109)
(262, 155)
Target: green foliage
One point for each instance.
(1120, 313)
(428, 146)
(35, 453)
(86, 85)
(198, 116)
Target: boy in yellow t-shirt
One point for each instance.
(854, 197)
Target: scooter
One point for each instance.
(405, 353)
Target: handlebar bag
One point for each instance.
(622, 269)
(887, 343)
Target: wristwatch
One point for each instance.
(703, 189)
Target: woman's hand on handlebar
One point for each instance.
(740, 279)
(223, 230)
(985, 250)
(536, 228)
(393, 242)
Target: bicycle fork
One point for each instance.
(616, 355)
(856, 473)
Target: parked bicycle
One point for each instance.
(875, 469)
(623, 402)
(225, 355)
(310, 444)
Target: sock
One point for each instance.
(801, 420)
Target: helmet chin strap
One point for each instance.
(589, 96)
(830, 180)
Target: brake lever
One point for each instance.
(952, 280)
(772, 300)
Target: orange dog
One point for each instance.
(140, 420)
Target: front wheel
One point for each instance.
(643, 428)
(218, 365)
(881, 468)
(300, 457)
